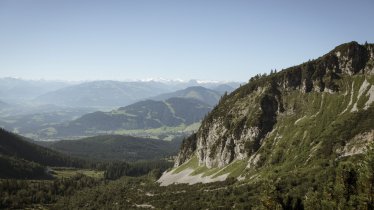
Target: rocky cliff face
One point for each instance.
(252, 121)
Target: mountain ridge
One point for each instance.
(20, 90)
(142, 115)
(104, 93)
(21, 158)
(249, 130)
(112, 93)
(203, 94)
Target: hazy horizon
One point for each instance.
(128, 80)
(204, 40)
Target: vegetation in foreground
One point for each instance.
(343, 186)
(32, 176)
(336, 184)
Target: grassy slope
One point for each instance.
(309, 137)
(62, 172)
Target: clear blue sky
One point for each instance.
(200, 39)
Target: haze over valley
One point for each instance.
(114, 107)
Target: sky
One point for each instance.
(229, 40)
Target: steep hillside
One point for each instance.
(20, 158)
(203, 94)
(302, 120)
(15, 168)
(20, 147)
(103, 93)
(142, 115)
(117, 147)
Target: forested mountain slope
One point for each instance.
(300, 129)
(117, 147)
(20, 158)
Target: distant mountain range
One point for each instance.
(103, 93)
(28, 123)
(202, 94)
(179, 84)
(19, 90)
(142, 115)
(115, 93)
(69, 112)
(225, 88)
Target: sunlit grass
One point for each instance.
(192, 164)
(70, 172)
